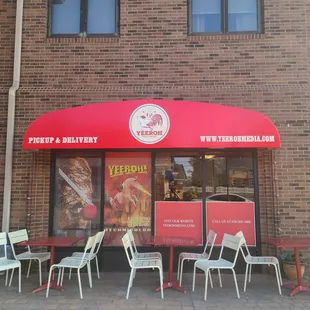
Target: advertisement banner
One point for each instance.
(127, 196)
(231, 217)
(179, 219)
(77, 197)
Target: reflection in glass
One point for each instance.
(206, 16)
(66, 16)
(101, 16)
(242, 15)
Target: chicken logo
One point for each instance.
(149, 123)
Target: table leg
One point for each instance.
(53, 283)
(301, 286)
(170, 283)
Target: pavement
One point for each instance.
(108, 293)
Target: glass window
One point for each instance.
(83, 17)
(242, 15)
(178, 177)
(224, 16)
(78, 196)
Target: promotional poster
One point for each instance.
(127, 197)
(77, 204)
(230, 217)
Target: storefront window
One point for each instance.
(178, 177)
(128, 177)
(77, 196)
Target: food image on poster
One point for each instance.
(77, 205)
(127, 197)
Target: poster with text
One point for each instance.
(127, 190)
(179, 219)
(231, 217)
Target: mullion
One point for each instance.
(83, 16)
(224, 15)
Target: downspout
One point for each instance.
(11, 118)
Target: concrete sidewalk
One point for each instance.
(109, 292)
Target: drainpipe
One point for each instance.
(11, 118)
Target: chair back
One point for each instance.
(132, 240)
(99, 238)
(128, 249)
(233, 243)
(243, 243)
(210, 240)
(16, 237)
(89, 248)
(3, 242)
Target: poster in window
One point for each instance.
(127, 197)
(78, 194)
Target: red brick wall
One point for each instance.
(155, 58)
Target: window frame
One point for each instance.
(83, 23)
(224, 20)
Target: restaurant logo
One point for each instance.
(149, 123)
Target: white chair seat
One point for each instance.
(205, 264)
(193, 256)
(42, 256)
(151, 263)
(261, 260)
(71, 262)
(149, 255)
(6, 264)
(80, 254)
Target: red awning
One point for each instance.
(152, 123)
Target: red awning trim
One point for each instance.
(140, 124)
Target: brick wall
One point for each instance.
(155, 58)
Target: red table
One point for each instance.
(295, 243)
(171, 242)
(52, 242)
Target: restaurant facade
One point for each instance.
(155, 125)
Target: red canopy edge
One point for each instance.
(150, 123)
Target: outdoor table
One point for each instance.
(295, 243)
(171, 242)
(51, 242)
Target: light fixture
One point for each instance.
(209, 156)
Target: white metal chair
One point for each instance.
(137, 255)
(21, 236)
(258, 260)
(195, 256)
(75, 263)
(99, 238)
(7, 264)
(140, 264)
(229, 241)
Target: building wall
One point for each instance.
(155, 58)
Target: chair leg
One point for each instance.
(62, 271)
(19, 278)
(278, 279)
(206, 283)
(134, 274)
(40, 272)
(246, 277)
(280, 276)
(129, 283)
(70, 271)
(29, 266)
(194, 278)
(250, 273)
(6, 277)
(210, 278)
(11, 277)
(97, 265)
(89, 275)
(178, 273)
(80, 284)
(181, 272)
(235, 278)
(220, 278)
(49, 281)
(59, 276)
(161, 283)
